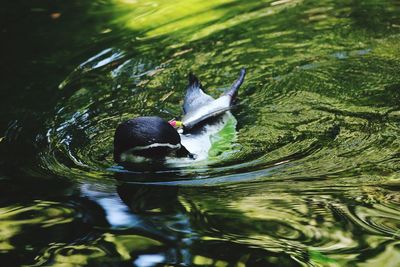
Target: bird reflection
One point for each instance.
(150, 199)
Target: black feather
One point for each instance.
(144, 131)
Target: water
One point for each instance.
(307, 173)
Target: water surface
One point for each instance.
(306, 174)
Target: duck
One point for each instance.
(152, 137)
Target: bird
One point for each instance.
(151, 137)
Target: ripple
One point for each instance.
(106, 248)
(296, 110)
(30, 226)
(309, 129)
(308, 177)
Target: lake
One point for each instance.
(306, 172)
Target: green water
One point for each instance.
(309, 178)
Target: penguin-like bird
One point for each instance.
(155, 138)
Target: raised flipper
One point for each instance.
(232, 92)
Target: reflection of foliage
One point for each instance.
(321, 100)
(104, 249)
(27, 228)
(222, 141)
(316, 225)
(319, 258)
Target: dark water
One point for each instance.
(310, 176)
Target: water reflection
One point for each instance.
(312, 175)
(262, 223)
(29, 227)
(142, 199)
(254, 224)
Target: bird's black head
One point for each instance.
(149, 137)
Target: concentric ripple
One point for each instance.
(306, 172)
(282, 121)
